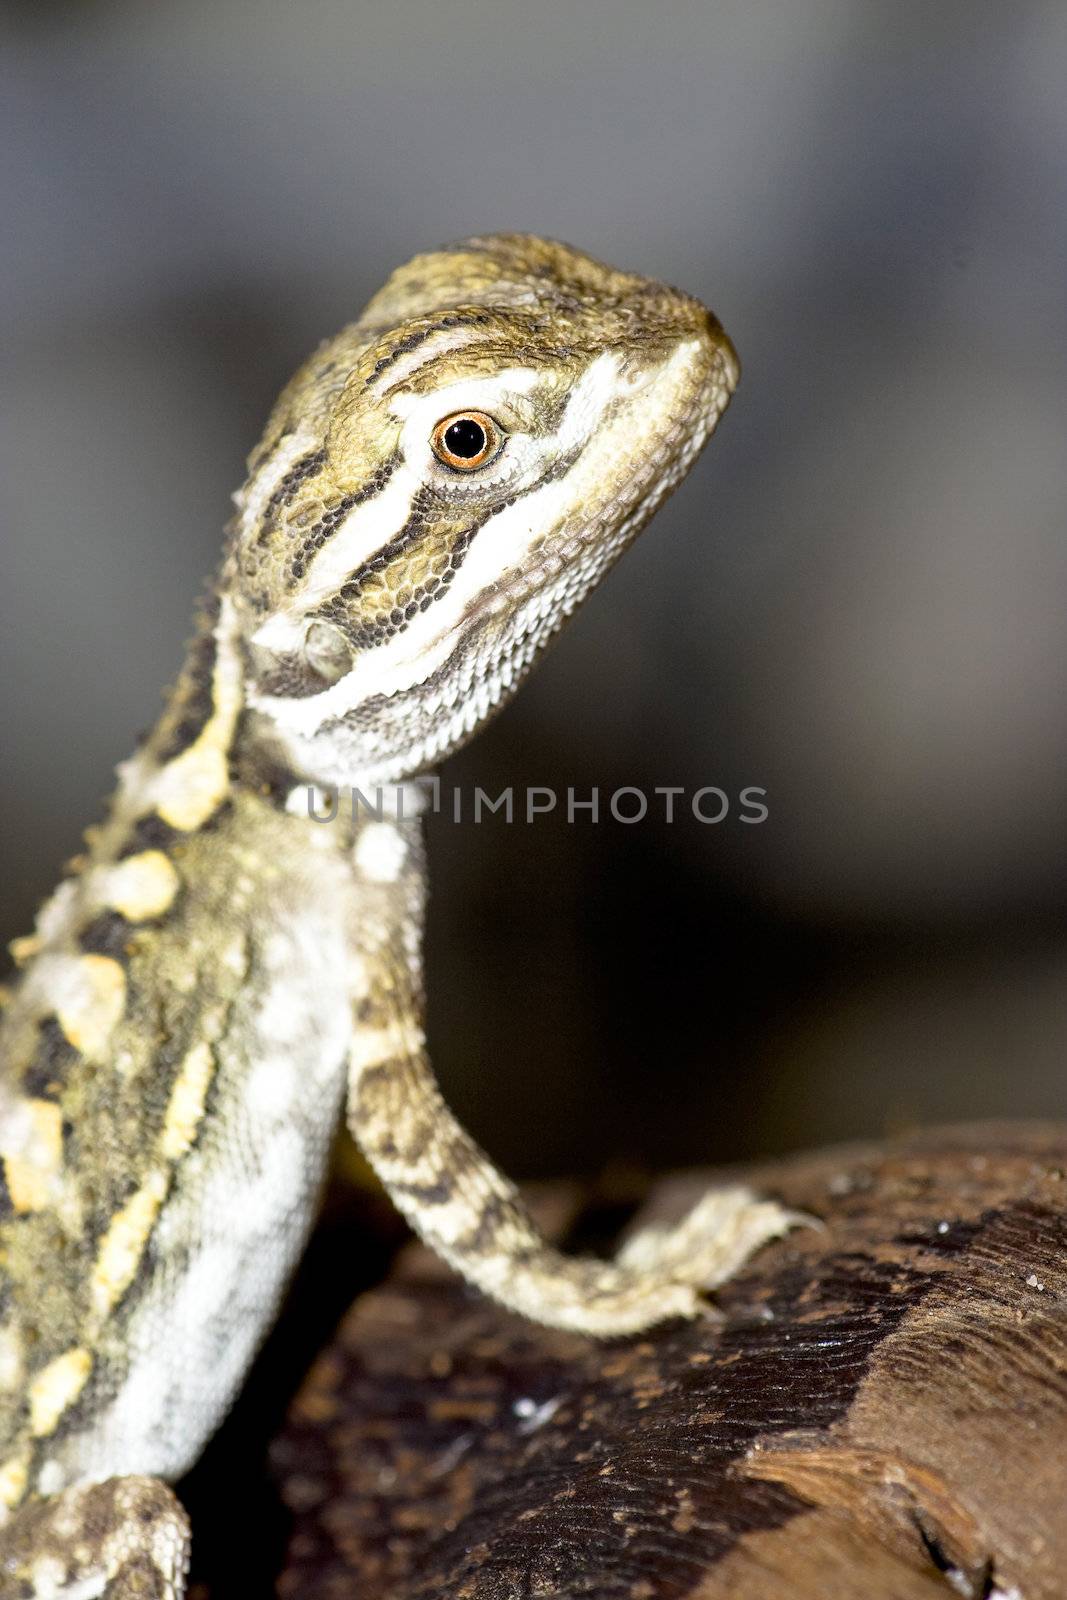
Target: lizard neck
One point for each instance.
(205, 750)
(204, 761)
(195, 805)
(181, 775)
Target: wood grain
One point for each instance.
(881, 1411)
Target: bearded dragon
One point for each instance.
(437, 489)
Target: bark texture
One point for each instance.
(881, 1410)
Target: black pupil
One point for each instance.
(465, 438)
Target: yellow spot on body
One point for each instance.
(14, 1476)
(32, 1153)
(190, 788)
(24, 949)
(187, 1102)
(141, 887)
(123, 1244)
(95, 994)
(56, 1387)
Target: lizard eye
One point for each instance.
(466, 440)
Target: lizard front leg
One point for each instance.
(125, 1539)
(451, 1192)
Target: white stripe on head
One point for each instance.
(423, 410)
(358, 537)
(444, 341)
(253, 499)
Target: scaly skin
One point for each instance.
(221, 972)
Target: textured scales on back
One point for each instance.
(436, 491)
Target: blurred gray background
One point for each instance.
(856, 601)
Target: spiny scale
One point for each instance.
(221, 972)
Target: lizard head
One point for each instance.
(444, 482)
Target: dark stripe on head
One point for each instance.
(420, 524)
(339, 608)
(314, 540)
(411, 341)
(283, 494)
(417, 526)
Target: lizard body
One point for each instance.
(436, 491)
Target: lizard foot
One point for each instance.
(711, 1243)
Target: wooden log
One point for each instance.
(881, 1410)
